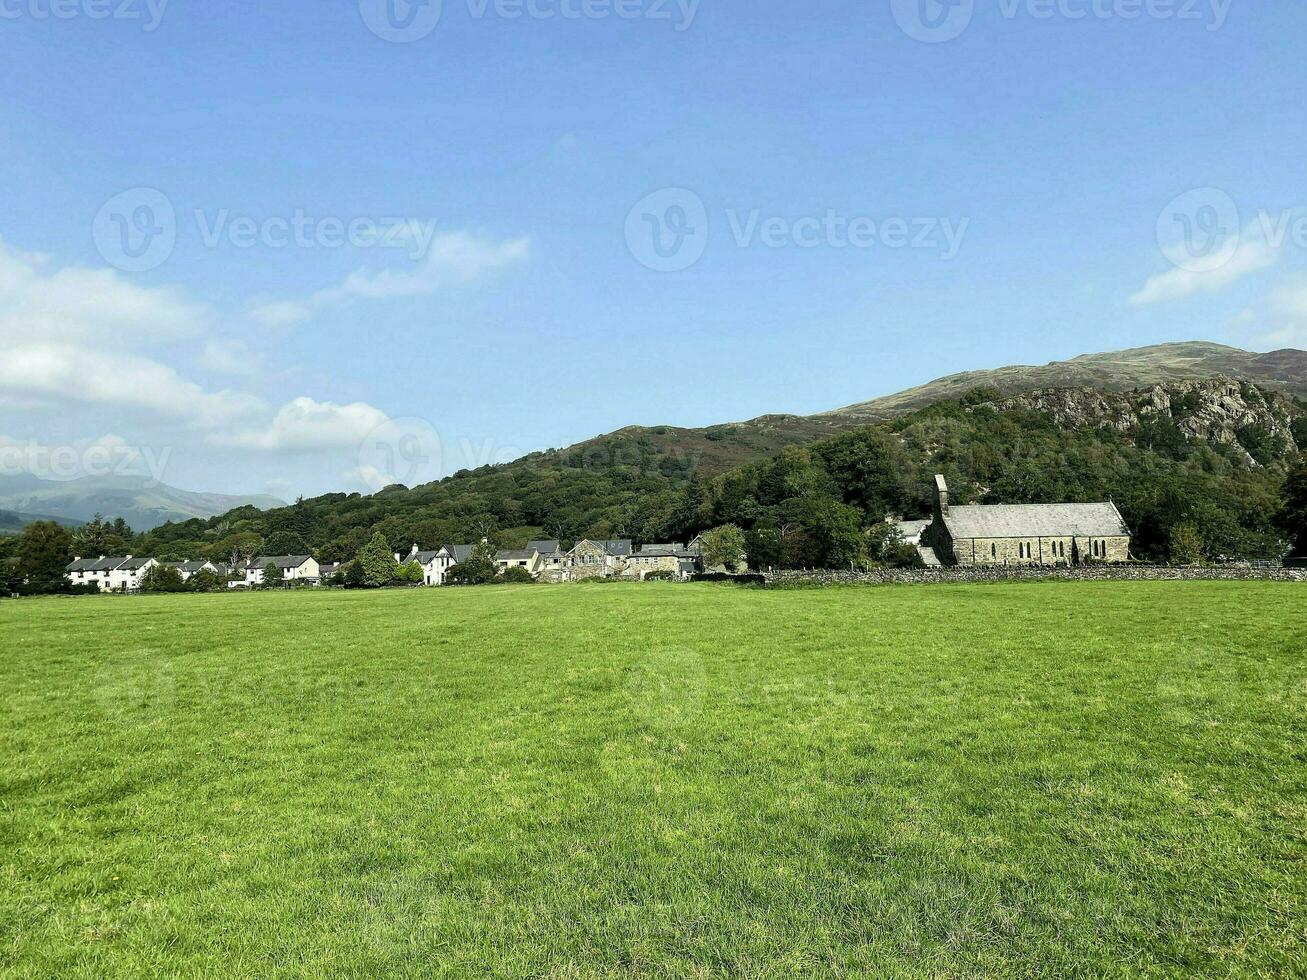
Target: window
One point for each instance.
(993, 551)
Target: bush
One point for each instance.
(516, 576)
(662, 575)
(163, 578)
(749, 579)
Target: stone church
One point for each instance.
(1023, 534)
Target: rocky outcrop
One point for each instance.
(1213, 411)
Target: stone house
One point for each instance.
(677, 559)
(1024, 534)
(596, 559)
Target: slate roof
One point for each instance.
(421, 557)
(618, 549)
(911, 529)
(1035, 521)
(516, 555)
(132, 564)
(84, 565)
(281, 561)
(460, 552)
(546, 548)
(666, 551)
(189, 567)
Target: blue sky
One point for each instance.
(865, 203)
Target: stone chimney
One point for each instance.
(941, 495)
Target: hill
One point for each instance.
(139, 501)
(13, 523)
(1114, 371)
(718, 448)
(1211, 455)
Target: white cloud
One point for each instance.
(229, 356)
(70, 374)
(1288, 311)
(86, 305)
(454, 259)
(276, 315)
(1253, 254)
(305, 425)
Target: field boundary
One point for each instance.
(1101, 573)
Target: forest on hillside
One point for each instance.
(818, 505)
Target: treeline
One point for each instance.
(819, 505)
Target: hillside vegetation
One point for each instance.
(1211, 456)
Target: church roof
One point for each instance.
(1035, 521)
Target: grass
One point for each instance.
(1008, 780)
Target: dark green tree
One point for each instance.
(377, 562)
(162, 578)
(44, 552)
(272, 575)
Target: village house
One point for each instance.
(109, 574)
(678, 560)
(1023, 534)
(188, 569)
(528, 559)
(434, 564)
(596, 559)
(294, 568)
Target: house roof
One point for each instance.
(617, 549)
(83, 565)
(1035, 521)
(190, 567)
(460, 552)
(131, 564)
(661, 551)
(544, 547)
(911, 529)
(421, 557)
(516, 555)
(281, 561)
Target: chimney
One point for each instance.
(941, 495)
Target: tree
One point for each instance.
(723, 546)
(477, 569)
(409, 573)
(1292, 517)
(517, 576)
(239, 547)
(377, 562)
(354, 578)
(286, 543)
(1186, 544)
(44, 552)
(204, 581)
(162, 578)
(272, 575)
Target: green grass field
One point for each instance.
(1012, 780)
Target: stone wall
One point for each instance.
(1083, 573)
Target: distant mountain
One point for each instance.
(1114, 371)
(137, 500)
(13, 523)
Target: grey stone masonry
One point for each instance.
(1082, 573)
